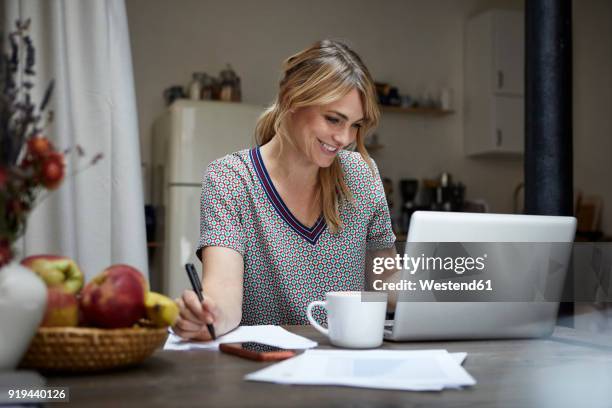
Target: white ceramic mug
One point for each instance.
(354, 319)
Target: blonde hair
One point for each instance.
(319, 75)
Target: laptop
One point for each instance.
(431, 320)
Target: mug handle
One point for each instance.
(312, 320)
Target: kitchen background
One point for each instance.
(415, 45)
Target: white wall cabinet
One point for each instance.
(494, 83)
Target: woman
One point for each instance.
(292, 219)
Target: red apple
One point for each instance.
(39, 146)
(62, 308)
(52, 170)
(56, 270)
(114, 298)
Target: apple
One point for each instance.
(52, 170)
(56, 270)
(62, 308)
(39, 146)
(114, 298)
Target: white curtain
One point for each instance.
(97, 216)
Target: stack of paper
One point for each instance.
(267, 334)
(422, 370)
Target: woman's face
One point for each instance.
(321, 131)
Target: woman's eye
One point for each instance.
(357, 126)
(332, 120)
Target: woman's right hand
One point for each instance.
(194, 316)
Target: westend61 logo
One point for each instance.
(413, 264)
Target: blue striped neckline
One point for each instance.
(310, 234)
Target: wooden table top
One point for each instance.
(569, 367)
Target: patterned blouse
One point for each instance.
(287, 265)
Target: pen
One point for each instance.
(197, 288)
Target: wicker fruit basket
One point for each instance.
(83, 349)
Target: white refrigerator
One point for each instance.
(186, 138)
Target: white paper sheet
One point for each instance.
(420, 370)
(267, 334)
(458, 357)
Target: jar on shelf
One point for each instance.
(207, 84)
(230, 85)
(194, 89)
(216, 89)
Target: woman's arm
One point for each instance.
(223, 270)
(388, 275)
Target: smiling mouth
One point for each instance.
(328, 148)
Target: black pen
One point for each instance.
(197, 288)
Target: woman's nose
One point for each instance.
(344, 137)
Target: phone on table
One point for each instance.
(257, 351)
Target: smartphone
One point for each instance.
(256, 351)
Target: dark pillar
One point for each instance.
(548, 107)
(548, 113)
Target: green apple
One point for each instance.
(56, 270)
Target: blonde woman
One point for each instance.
(293, 218)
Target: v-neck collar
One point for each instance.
(310, 234)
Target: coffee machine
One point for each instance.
(441, 194)
(449, 196)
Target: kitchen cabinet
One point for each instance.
(494, 83)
